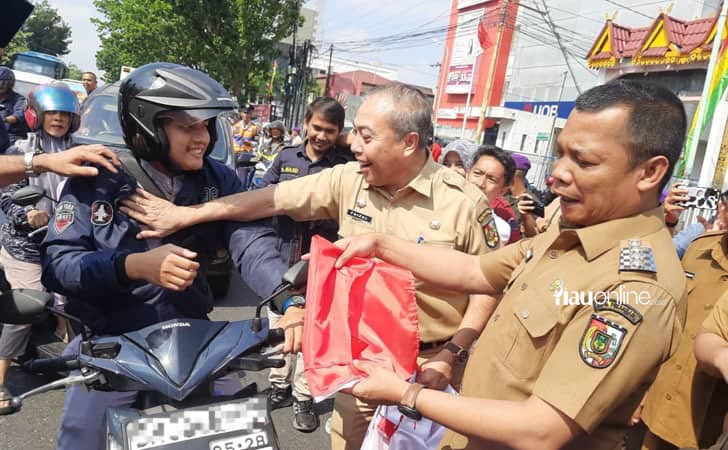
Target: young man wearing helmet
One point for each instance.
(12, 106)
(52, 115)
(324, 119)
(117, 283)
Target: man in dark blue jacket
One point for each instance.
(12, 111)
(117, 283)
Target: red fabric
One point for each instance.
(366, 310)
(436, 151)
(483, 32)
(503, 209)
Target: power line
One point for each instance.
(629, 9)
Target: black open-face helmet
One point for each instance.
(154, 91)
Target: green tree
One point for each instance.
(232, 40)
(17, 45)
(74, 72)
(47, 32)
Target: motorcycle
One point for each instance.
(172, 365)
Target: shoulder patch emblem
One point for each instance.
(623, 309)
(490, 232)
(601, 342)
(635, 257)
(64, 217)
(101, 213)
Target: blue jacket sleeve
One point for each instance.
(4, 140)
(253, 247)
(273, 175)
(683, 239)
(19, 110)
(14, 213)
(71, 264)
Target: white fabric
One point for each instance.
(504, 229)
(423, 434)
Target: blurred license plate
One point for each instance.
(244, 442)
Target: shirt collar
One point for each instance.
(329, 156)
(599, 238)
(422, 182)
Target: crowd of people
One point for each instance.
(581, 320)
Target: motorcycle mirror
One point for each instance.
(24, 306)
(297, 275)
(28, 196)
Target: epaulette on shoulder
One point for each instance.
(636, 255)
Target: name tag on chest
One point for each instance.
(356, 215)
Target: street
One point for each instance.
(36, 425)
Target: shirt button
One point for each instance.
(678, 367)
(708, 307)
(524, 286)
(692, 335)
(724, 277)
(496, 317)
(525, 314)
(668, 396)
(553, 254)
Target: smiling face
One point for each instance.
(321, 135)
(187, 143)
(56, 123)
(382, 155)
(593, 176)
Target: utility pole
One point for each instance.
(553, 124)
(489, 85)
(550, 23)
(287, 106)
(328, 74)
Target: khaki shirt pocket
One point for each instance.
(527, 338)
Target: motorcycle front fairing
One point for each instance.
(176, 356)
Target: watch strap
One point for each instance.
(410, 395)
(460, 352)
(28, 164)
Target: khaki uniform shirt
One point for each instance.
(677, 402)
(438, 207)
(592, 362)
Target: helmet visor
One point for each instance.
(189, 116)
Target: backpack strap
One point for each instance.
(132, 167)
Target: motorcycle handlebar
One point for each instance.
(60, 364)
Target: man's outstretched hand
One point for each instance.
(162, 217)
(72, 162)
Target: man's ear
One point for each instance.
(411, 142)
(651, 172)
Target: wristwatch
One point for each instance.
(28, 163)
(461, 353)
(407, 404)
(294, 300)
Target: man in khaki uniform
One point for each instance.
(711, 351)
(685, 407)
(394, 187)
(558, 364)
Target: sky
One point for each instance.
(339, 21)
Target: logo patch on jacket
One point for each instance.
(101, 213)
(601, 342)
(209, 193)
(64, 217)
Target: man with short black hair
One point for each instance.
(89, 81)
(561, 364)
